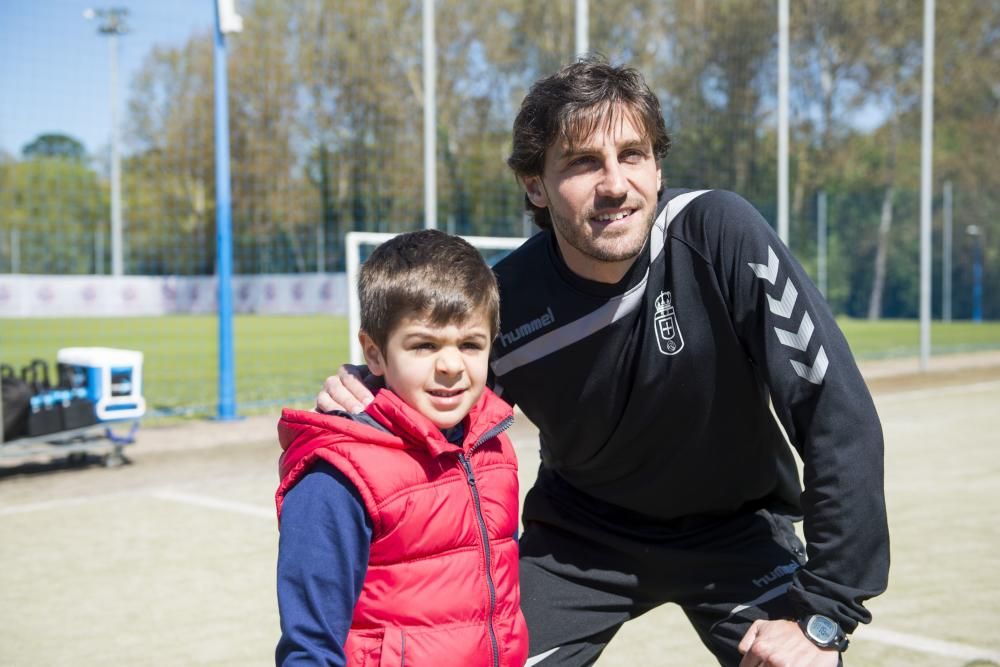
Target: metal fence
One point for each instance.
(326, 134)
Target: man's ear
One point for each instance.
(373, 355)
(535, 190)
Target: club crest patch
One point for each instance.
(668, 331)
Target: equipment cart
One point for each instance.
(97, 439)
(105, 384)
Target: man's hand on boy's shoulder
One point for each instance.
(350, 390)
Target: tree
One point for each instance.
(967, 128)
(893, 60)
(828, 81)
(326, 103)
(55, 145)
(169, 180)
(58, 208)
(711, 65)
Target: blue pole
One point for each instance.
(977, 281)
(223, 231)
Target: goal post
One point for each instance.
(355, 240)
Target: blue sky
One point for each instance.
(55, 67)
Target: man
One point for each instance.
(644, 332)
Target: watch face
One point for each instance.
(822, 629)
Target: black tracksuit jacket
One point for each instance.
(653, 394)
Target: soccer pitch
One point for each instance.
(283, 359)
(173, 557)
(278, 358)
(901, 338)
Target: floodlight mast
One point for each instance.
(977, 272)
(112, 24)
(226, 21)
(582, 28)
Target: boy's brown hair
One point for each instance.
(427, 274)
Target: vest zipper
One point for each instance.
(471, 479)
(493, 432)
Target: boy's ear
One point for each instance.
(535, 190)
(373, 355)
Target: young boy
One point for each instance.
(397, 524)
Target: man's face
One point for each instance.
(601, 195)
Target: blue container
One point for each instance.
(111, 378)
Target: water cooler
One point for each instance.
(111, 377)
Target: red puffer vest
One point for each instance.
(442, 582)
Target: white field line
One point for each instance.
(161, 494)
(927, 645)
(214, 503)
(911, 642)
(916, 643)
(916, 394)
(59, 503)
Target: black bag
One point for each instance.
(36, 374)
(16, 397)
(45, 411)
(77, 410)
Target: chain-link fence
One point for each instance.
(326, 136)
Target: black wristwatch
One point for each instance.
(824, 632)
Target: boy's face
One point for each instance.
(438, 370)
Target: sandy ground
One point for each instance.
(169, 560)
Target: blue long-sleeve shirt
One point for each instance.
(323, 550)
(322, 561)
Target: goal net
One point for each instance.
(493, 249)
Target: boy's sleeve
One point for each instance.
(322, 560)
(822, 401)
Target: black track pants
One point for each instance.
(583, 574)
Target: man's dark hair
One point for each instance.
(427, 274)
(574, 102)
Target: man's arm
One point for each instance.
(322, 560)
(826, 409)
(350, 390)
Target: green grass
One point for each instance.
(284, 359)
(901, 338)
(278, 359)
